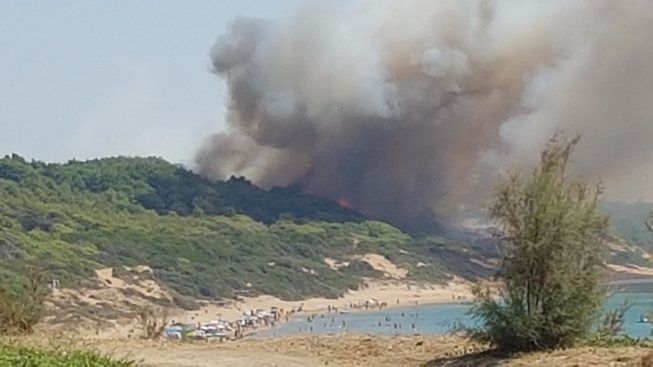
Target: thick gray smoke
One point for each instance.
(405, 109)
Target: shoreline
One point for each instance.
(301, 318)
(382, 294)
(393, 293)
(389, 291)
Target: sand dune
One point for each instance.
(127, 294)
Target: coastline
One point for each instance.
(393, 293)
(455, 292)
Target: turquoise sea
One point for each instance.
(436, 319)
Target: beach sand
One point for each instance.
(396, 293)
(393, 290)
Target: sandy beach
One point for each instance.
(395, 293)
(394, 290)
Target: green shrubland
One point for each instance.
(202, 239)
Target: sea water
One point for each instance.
(436, 319)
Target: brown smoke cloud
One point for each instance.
(409, 109)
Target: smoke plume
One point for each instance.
(408, 110)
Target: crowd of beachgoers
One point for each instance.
(228, 330)
(254, 320)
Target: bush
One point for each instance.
(552, 266)
(32, 357)
(187, 303)
(613, 321)
(22, 308)
(153, 322)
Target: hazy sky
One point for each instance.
(82, 79)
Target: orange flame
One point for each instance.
(345, 203)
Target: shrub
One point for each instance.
(187, 303)
(552, 237)
(33, 357)
(23, 307)
(153, 322)
(613, 321)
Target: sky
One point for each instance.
(86, 79)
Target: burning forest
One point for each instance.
(407, 111)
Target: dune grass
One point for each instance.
(13, 355)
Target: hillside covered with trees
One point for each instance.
(202, 239)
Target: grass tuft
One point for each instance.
(11, 355)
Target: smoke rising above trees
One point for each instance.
(406, 110)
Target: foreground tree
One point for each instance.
(552, 237)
